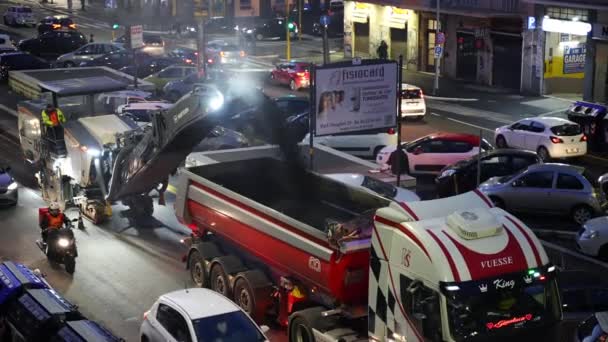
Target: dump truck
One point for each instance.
(334, 263)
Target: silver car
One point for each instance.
(86, 53)
(545, 189)
(19, 15)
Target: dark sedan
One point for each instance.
(118, 59)
(149, 66)
(53, 43)
(272, 28)
(462, 176)
(19, 61)
(54, 23)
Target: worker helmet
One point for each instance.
(54, 206)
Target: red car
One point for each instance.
(295, 74)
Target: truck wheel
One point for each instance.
(252, 291)
(197, 269)
(219, 280)
(302, 322)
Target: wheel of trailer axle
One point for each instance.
(197, 269)
(244, 296)
(252, 292)
(219, 280)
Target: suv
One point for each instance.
(19, 15)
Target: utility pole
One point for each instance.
(288, 47)
(437, 56)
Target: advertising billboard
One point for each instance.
(137, 36)
(574, 59)
(350, 98)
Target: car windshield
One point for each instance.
(566, 130)
(229, 327)
(379, 187)
(410, 94)
(493, 308)
(24, 10)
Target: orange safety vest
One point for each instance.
(55, 222)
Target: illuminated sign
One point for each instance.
(566, 26)
(360, 12)
(398, 17)
(506, 322)
(531, 23)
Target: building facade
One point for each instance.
(534, 46)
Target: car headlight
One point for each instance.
(447, 173)
(590, 234)
(63, 242)
(13, 186)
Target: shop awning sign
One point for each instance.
(361, 12)
(600, 31)
(574, 59)
(398, 17)
(566, 26)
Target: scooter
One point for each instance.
(61, 246)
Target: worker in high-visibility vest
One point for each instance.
(53, 119)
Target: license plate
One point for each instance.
(572, 150)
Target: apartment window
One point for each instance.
(567, 13)
(432, 24)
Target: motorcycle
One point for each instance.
(60, 246)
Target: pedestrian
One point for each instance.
(53, 120)
(91, 40)
(82, 4)
(382, 50)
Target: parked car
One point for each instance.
(592, 239)
(174, 90)
(19, 61)
(6, 44)
(219, 52)
(87, 52)
(375, 186)
(220, 25)
(550, 137)
(271, 28)
(54, 23)
(9, 194)
(461, 176)
(431, 153)
(294, 74)
(365, 145)
(148, 66)
(292, 105)
(413, 104)
(153, 43)
(117, 59)
(174, 72)
(19, 15)
(141, 112)
(198, 314)
(593, 329)
(582, 293)
(549, 188)
(53, 43)
(184, 55)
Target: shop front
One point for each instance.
(600, 80)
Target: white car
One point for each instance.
(87, 52)
(19, 15)
(550, 137)
(6, 45)
(431, 153)
(412, 102)
(592, 239)
(375, 186)
(360, 145)
(198, 315)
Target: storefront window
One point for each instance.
(568, 13)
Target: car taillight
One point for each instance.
(421, 94)
(188, 61)
(556, 140)
(391, 131)
(242, 53)
(222, 53)
(210, 61)
(72, 26)
(56, 26)
(584, 138)
(146, 315)
(301, 74)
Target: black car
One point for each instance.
(117, 59)
(19, 61)
(292, 105)
(272, 28)
(54, 23)
(219, 25)
(582, 294)
(153, 43)
(462, 176)
(184, 55)
(53, 43)
(149, 66)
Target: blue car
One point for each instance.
(174, 90)
(8, 187)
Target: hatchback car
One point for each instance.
(87, 52)
(117, 59)
(545, 189)
(412, 102)
(431, 153)
(57, 22)
(375, 186)
(550, 137)
(8, 187)
(198, 315)
(592, 239)
(19, 61)
(462, 176)
(53, 43)
(294, 74)
(219, 52)
(19, 15)
(174, 72)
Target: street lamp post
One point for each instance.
(437, 56)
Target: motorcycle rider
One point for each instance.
(53, 219)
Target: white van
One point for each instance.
(412, 102)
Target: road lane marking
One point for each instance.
(9, 110)
(464, 123)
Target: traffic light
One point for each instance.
(291, 26)
(115, 27)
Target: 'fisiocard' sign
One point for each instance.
(600, 31)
